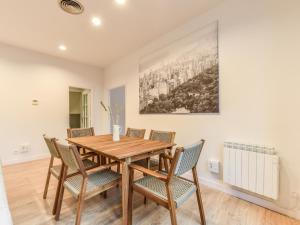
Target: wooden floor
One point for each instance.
(25, 183)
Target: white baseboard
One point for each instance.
(250, 198)
(25, 159)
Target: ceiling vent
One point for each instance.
(71, 6)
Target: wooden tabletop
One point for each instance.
(125, 148)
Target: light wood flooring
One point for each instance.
(25, 184)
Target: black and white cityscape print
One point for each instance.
(183, 77)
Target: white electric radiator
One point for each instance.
(253, 168)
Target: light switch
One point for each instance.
(35, 102)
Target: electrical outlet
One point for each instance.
(24, 148)
(214, 166)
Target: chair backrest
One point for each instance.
(165, 136)
(188, 158)
(133, 132)
(80, 132)
(51, 146)
(70, 156)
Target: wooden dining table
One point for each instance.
(126, 151)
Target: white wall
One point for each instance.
(259, 87)
(26, 75)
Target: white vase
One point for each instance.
(116, 132)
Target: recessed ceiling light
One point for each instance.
(62, 47)
(96, 21)
(120, 2)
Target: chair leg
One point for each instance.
(59, 203)
(166, 165)
(48, 178)
(171, 205)
(61, 193)
(199, 199)
(105, 194)
(104, 162)
(78, 149)
(58, 190)
(81, 202)
(118, 170)
(160, 165)
(148, 160)
(98, 160)
(130, 196)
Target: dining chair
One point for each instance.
(168, 188)
(55, 170)
(155, 135)
(133, 132)
(80, 132)
(84, 132)
(85, 184)
(154, 163)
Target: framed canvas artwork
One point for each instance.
(182, 77)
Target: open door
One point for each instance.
(79, 107)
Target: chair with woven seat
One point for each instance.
(85, 184)
(55, 170)
(133, 132)
(168, 188)
(84, 132)
(155, 135)
(80, 132)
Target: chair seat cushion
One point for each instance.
(55, 170)
(95, 181)
(181, 189)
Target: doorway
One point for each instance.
(117, 105)
(79, 107)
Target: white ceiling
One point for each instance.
(41, 25)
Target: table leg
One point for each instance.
(125, 191)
